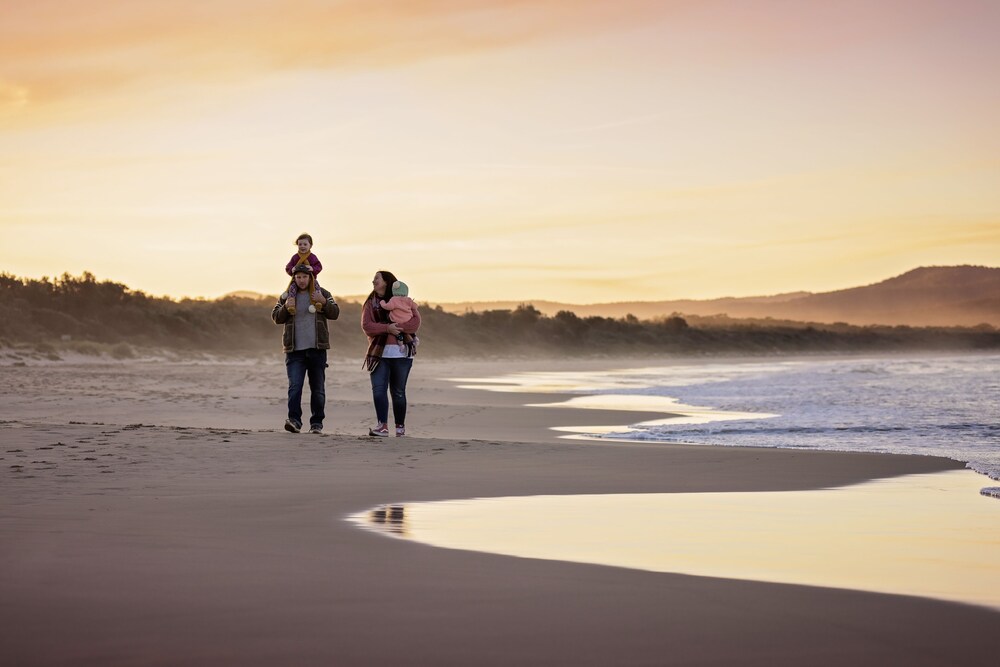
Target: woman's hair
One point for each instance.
(307, 237)
(389, 277)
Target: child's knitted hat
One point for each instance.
(399, 288)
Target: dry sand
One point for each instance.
(156, 514)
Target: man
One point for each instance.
(305, 340)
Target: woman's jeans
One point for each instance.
(389, 378)
(299, 364)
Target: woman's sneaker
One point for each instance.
(400, 431)
(382, 431)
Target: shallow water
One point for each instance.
(924, 535)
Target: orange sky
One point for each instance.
(578, 151)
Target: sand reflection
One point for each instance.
(926, 535)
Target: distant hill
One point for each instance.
(926, 296)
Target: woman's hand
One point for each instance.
(393, 329)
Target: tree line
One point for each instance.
(83, 314)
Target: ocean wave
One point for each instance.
(930, 406)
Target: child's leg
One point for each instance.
(292, 291)
(315, 288)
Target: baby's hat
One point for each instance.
(399, 288)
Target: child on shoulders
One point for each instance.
(303, 256)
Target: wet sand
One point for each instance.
(157, 514)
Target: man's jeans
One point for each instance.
(389, 378)
(299, 364)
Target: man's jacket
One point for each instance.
(330, 311)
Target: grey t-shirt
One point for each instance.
(305, 322)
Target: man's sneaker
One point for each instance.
(292, 427)
(382, 431)
(316, 428)
(400, 431)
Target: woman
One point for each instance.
(388, 364)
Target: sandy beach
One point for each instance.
(156, 513)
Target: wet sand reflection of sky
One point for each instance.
(925, 535)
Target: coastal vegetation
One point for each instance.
(50, 318)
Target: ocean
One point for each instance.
(934, 405)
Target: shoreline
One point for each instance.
(214, 537)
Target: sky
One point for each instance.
(580, 151)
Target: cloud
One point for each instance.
(59, 50)
(74, 53)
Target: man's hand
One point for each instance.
(289, 303)
(318, 297)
